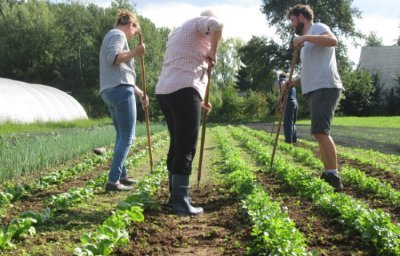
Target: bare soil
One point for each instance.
(223, 228)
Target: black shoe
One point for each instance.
(116, 187)
(127, 182)
(334, 180)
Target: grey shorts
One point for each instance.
(323, 103)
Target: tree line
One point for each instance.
(57, 44)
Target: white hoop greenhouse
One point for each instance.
(27, 103)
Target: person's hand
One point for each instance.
(298, 42)
(139, 49)
(212, 60)
(144, 100)
(288, 85)
(207, 107)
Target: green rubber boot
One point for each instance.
(180, 196)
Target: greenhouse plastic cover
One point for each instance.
(26, 103)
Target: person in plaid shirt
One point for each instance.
(180, 90)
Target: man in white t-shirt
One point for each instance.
(319, 81)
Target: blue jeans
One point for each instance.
(121, 103)
(289, 122)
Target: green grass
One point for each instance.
(375, 121)
(46, 146)
(8, 127)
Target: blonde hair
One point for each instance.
(125, 17)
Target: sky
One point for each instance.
(243, 18)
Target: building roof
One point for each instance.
(384, 60)
(27, 103)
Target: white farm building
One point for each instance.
(26, 103)
(383, 60)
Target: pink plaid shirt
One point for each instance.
(185, 63)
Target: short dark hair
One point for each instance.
(301, 9)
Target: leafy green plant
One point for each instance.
(375, 226)
(275, 233)
(113, 232)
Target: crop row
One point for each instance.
(77, 195)
(112, 232)
(23, 225)
(22, 154)
(275, 233)
(13, 193)
(349, 174)
(381, 161)
(374, 226)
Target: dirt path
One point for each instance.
(324, 233)
(220, 230)
(62, 232)
(223, 228)
(36, 202)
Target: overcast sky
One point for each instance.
(243, 18)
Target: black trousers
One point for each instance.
(182, 113)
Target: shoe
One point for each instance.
(128, 182)
(99, 151)
(116, 187)
(334, 180)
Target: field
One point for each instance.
(250, 209)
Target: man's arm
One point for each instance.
(326, 39)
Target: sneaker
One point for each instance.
(116, 187)
(127, 181)
(99, 151)
(333, 180)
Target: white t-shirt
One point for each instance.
(318, 63)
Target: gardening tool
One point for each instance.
(146, 109)
(272, 128)
(285, 97)
(203, 128)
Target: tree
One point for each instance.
(359, 93)
(242, 79)
(338, 15)
(228, 62)
(393, 99)
(58, 44)
(377, 103)
(261, 58)
(373, 40)
(29, 39)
